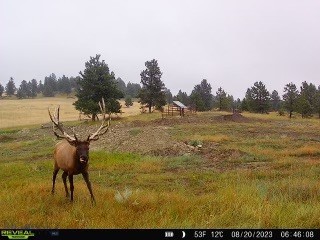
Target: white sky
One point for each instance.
(231, 43)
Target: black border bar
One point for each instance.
(165, 234)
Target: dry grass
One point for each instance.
(211, 138)
(260, 174)
(25, 112)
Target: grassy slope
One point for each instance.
(174, 192)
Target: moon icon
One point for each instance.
(183, 234)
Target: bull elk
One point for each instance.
(71, 155)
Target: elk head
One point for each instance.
(81, 146)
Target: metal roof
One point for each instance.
(179, 104)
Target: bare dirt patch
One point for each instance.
(176, 120)
(141, 138)
(154, 140)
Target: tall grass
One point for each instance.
(271, 181)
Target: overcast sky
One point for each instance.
(232, 44)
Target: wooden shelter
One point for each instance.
(176, 108)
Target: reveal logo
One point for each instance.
(17, 234)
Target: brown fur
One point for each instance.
(67, 158)
(72, 155)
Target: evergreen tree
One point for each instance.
(23, 90)
(1, 90)
(237, 104)
(121, 85)
(201, 96)
(258, 98)
(182, 97)
(10, 87)
(304, 107)
(128, 101)
(64, 85)
(152, 92)
(50, 85)
(33, 88)
(275, 100)
(221, 98)
(40, 87)
(308, 92)
(97, 82)
(244, 103)
(290, 97)
(74, 83)
(169, 97)
(197, 101)
(229, 103)
(133, 89)
(317, 101)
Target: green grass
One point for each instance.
(260, 174)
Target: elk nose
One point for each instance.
(83, 159)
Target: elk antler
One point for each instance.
(104, 127)
(56, 124)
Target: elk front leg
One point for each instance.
(71, 185)
(64, 178)
(55, 172)
(86, 179)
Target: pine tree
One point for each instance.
(23, 90)
(97, 82)
(182, 97)
(201, 96)
(133, 89)
(308, 92)
(244, 104)
(221, 98)
(33, 88)
(128, 101)
(10, 87)
(121, 85)
(64, 85)
(275, 100)
(169, 97)
(304, 107)
(50, 85)
(290, 97)
(152, 92)
(1, 90)
(317, 101)
(73, 82)
(258, 98)
(40, 87)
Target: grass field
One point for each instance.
(259, 173)
(35, 111)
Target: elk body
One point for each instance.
(72, 155)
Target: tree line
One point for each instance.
(49, 88)
(53, 85)
(97, 81)
(304, 100)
